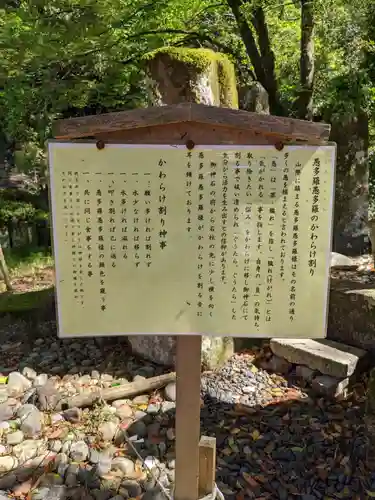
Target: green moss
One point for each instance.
(200, 59)
(227, 82)
(23, 302)
(205, 60)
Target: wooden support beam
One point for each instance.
(188, 380)
(207, 465)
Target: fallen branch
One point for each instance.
(122, 391)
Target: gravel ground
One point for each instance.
(273, 441)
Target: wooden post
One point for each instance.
(4, 271)
(207, 465)
(188, 381)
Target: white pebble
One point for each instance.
(79, 451)
(108, 430)
(17, 384)
(170, 391)
(14, 438)
(8, 463)
(151, 462)
(125, 465)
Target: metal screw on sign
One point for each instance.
(190, 144)
(100, 144)
(279, 146)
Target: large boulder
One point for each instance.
(177, 75)
(255, 99)
(161, 349)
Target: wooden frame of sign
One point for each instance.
(191, 124)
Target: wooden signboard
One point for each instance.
(251, 225)
(191, 220)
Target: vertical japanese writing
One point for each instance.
(295, 238)
(75, 228)
(135, 221)
(270, 262)
(200, 233)
(248, 222)
(66, 216)
(259, 240)
(188, 189)
(112, 222)
(236, 210)
(212, 240)
(87, 215)
(271, 241)
(284, 215)
(124, 217)
(224, 220)
(163, 233)
(148, 221)
(314, 218)
(260, 194)
(79, 235)
(101, 249)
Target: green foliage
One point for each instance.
(64, 58)
(27, 260)
(19, 211)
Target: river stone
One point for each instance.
(15, 438)
(170, 392)
(31, 420)
(161, 349)
(17, 384)
(7, 463)
(339, 260)
(79, 451)
(6, 412)
(125, 465)
(29, 449)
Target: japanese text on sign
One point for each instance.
(216, 240)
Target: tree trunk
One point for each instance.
(305, 100)
(263, 60)
(4, 271)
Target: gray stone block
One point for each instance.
(330, 387)
(305, 372)
(326, 356)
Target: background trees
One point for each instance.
(60, 58)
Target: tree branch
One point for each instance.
(248, 39)
(192, 34)
(307, 67)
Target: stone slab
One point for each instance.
(326, 356)
(351, 317)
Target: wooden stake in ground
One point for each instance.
(4, 271)
(188, 377)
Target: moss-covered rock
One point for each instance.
(191, 75)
